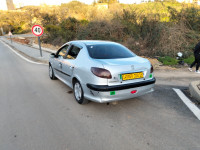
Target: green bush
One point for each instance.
(189, 60)
(168, 60)
(101, 30)
(52, 31)
(192, 17)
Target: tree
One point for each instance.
(94, 2)
(107, 1)
(102, 1)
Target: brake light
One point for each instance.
(151, 69)
(102, 73)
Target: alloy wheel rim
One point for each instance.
(77, 91)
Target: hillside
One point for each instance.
(149, 29)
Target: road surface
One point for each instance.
(37, 113)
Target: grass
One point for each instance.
(172, 61)
(189, 60)
(168, 61)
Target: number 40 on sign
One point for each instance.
(38, 31)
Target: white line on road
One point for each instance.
(30, 61)
(188, 103)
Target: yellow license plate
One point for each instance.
(131, 76)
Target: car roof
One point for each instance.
(92, 42)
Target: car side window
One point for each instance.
(62, 52)
(73, 52)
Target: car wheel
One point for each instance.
(51, 73)
(78, 93)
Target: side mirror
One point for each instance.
(52, 55)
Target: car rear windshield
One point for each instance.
(109, 51)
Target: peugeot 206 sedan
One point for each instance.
(101, 71)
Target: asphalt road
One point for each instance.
(39, 114)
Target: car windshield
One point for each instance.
(109, 51)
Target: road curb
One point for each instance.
(35, 46)
(43, 48)
(194, 88)
(24, 56)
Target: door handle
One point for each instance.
(71, 67)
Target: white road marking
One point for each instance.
(30, 61)
(188, 103)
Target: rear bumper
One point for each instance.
(104, 88)
(101, 94)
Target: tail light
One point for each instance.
(151, 69)
(102, 73)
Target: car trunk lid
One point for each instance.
(119, 67)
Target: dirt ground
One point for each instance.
(21, 40)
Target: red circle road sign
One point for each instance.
(37, 30)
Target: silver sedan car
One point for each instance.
(101, 71)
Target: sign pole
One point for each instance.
(40, 46)
(10, 38)
(2, 31)
(38, 31)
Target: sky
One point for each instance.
(58, 2)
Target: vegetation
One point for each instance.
(168, 60)
(148, 29)
(189, 60)
(106, 1)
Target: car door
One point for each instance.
(60, 55)
(69, 62)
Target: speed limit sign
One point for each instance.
(37, 30)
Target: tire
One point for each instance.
(51, 73)
(78, 93)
